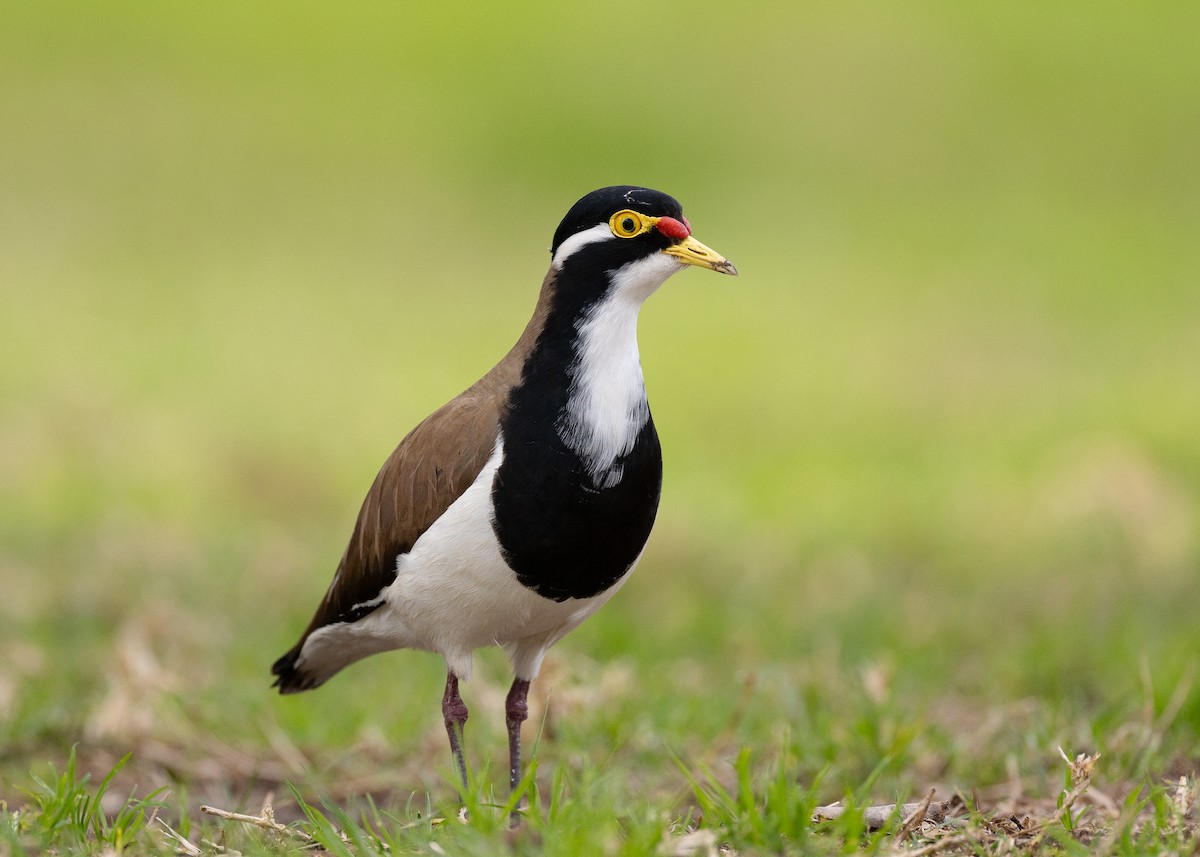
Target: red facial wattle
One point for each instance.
(674, 229)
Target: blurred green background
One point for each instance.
(946, 421)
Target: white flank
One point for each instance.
(606, 405)
(454, 593)
(599, 232)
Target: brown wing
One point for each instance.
(429, 470)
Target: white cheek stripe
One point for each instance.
(599, 232)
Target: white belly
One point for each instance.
(454, 592)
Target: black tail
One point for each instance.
(288, 678)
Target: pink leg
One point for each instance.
(515, 712)
(454, 712)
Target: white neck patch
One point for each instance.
(606, 403)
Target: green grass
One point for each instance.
(932, 499)
(64, 812)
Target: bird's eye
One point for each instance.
(627, 224)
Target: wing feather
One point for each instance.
(427, 472)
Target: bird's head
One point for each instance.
(633, 236)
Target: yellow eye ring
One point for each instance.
(629, 224)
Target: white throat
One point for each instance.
(606, 403)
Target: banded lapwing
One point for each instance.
(509, 515)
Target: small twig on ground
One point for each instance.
(188, 848)
(1183, 800)
(1081, 769)
(915, 818)
(1081, 778)
(265, 819)
(875, 817)
(943, 844)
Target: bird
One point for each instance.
(513, 512)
